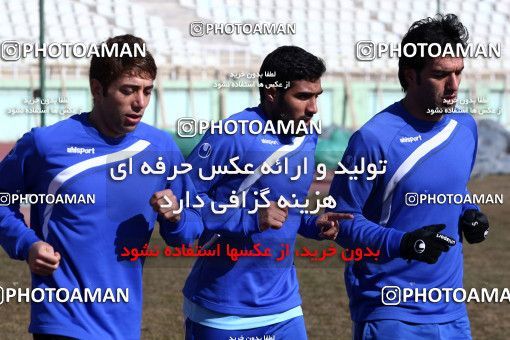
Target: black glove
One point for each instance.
(425, 244)
(475, 226)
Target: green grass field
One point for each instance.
(325, 302)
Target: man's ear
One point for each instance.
(271, 95)
(411, 76)
(97, 89)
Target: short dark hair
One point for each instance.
(442, 29)
(107, 69)
(289, 63)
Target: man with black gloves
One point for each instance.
(423, 155)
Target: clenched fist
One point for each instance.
(272, 217)
(43, 259)
(168, 206)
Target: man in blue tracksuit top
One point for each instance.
(257, 296)
(428, 152)
(79, 247)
